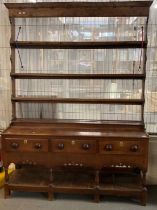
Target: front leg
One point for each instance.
(7, 191)
(143, 197)
(97, 180)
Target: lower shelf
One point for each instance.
(73, 182)
(79, 182)
(30, 176)
(28, 179)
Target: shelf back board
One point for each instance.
(79, 9)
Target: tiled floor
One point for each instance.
(37, 201)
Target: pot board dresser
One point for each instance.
(82, 129)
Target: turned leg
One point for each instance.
(6, 188)
(96, 198)
(7, 191)
(97, 180)
(143, 197)
(51, 195)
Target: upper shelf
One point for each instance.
(35, 99)
(78, 45)
(75, 76)
(79, 9)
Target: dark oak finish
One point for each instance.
(26, 145)
(92, 123)
(80, 9)
(78, 45)
(120, 146)
(74, 156)
(73, 146)
(77, 100)
(81, 145)
(75, 76)
(66, 144)
(22, 179)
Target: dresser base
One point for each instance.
(95, 158)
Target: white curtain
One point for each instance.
(5, 103)
(151, 80)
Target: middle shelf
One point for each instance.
(54, 99)
(76, 45)
(75, 76)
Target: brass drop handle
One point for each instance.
(134, 148)
(108, 147)
(37, 146)
(14, 145)
(60, 146)
(86, 146)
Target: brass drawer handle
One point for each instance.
(134, 148)
(37, 146)
(60, 146)
(108, 147)
(86, 146)
(14, 145)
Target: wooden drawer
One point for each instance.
(73, 146)
(135, 147)
(26, 145)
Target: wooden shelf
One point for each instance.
(78, 45)
(84, 123)
(27, 176)
(29, 179)
(79, 9)
(82, 182)
(120, 182)
(75, 76)
(77, 100)
(74, 181)
(101, 123)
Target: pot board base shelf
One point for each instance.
(28, 179)
(78, 181)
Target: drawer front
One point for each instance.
(135, 147)
(26, 145)
(73, 146)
